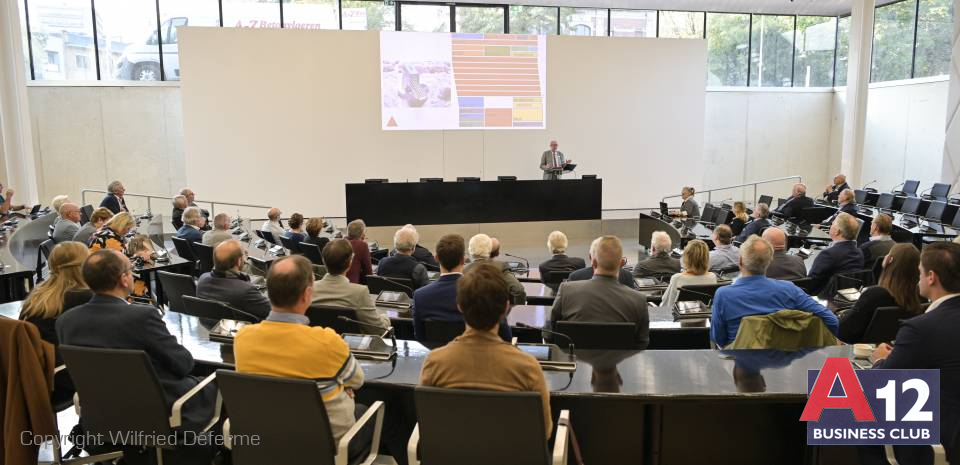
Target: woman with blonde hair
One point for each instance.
(113, 236)
(63, 289)
(740, 218)
(696, 262)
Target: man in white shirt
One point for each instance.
(273, 225)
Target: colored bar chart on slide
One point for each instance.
(462, 81)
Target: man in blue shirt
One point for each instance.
(755, 294)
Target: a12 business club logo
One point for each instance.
(871, 406)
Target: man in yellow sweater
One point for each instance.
(285, 345)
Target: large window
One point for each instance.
(368, 15)
(61, 30)
(583, 22)
(681, 24)
(893, 41)
(310, 14)
(251, 13)
(771, 51)
(633, 23)
(425, 18)
(480, 19)
(934, 29)
(540, 20)
(176, 13)
(843, 51)
(816, 40)
(728, 38)
(128, 40)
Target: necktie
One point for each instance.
(556, 160)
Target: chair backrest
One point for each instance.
(602, 336)
(290, 245)
(183, 249)
(46, 247)
(175, 286)
(940, 190)
(721, 216)
(910, 205)
(809, 285)
(311, 251)
(309, 439)
(910, 187)
(702, 292)
(378, 284)
(378, 254)
(268, 236)
(214, 310)
(884, 325)
(86, 212)
(782, 330)
(329, 317)
(847, 279)
(204, 254)
(475, 437)
(441, 331)
(556, 276)
(136, 404)
(707, 214)
(885, 201)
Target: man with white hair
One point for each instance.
(479, 249)
(847, 204)
(273, 225)
(421, 253)
(69, 223)
(759, 223)
(602, 299)
(557, 244)
(842, 256)
(783, 266)
(176, 217)
(833, 190)
(755, 294)
(362, 265)
(660, 262)
(552, 162)
(403, 265)
(192, 222)
(219, 233)
(113, 201)
(794, 206)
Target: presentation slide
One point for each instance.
(431, 81)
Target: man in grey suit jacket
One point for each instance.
(783, 266)
(219, 233)
(69, 223)
(602, 299)
(552, 162)
(479, 248)
(335, 290)
(226, 283)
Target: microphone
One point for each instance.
(525, 261)
(569, 340)
(697, 293)
(926, 190)
(389, 332)
(869, 183)
(894, 190)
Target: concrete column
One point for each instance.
(858, 80)
(16, 136)
(951, 143)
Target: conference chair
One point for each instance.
(308, 439)
(555, 277)
(684, 338)
(290, 245)
(204, 254)
(183, 249)
(599, 336)
(267, 236)
(86, 212)
(211, 311)
(175, 286)
(472, 436)
(809, 285)
(884, 325)
(378, 254)
(46, 247)
(118, 391)
(441, 332)
(721, 216)
(909, 189)
(851, 279)
(329, 317)
(702, 292)
(311, 251)
(378, 284)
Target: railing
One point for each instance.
(710, 192)
(150, 198)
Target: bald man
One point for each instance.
(783, 266)
(227, 283)
(273, 224)
(602, 299)
(69, 223)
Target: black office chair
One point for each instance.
(211, 311)
(601, 336)
(46, 247)
(379, 254)
(378, 284)
(722, 216)
(329, 317)
(204, 254)
(309, 439)
(440, 332)
(290, 245)
(311, 251)
(884, 325)
(845, 280)
(119, 392)
(183, 249)
(86, 212)
(267, 236)
(483, 439)
(175, 286)
(809, 285)
(690, 338)
(702, 292)
(555, 277)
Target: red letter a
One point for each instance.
(820, 395)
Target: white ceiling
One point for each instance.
(801, 7)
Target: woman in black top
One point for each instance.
(740, 218)
(897, 288)
(314, 228)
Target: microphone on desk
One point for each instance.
(894, 190)
(525, 261)
(389, 332)
(696, 293)
(569, 340)
(926, 190)
(869, 183)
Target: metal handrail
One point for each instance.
(150, 197)
(710, 192)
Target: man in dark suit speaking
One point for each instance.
(552, 162)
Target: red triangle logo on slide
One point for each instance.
(392, 123)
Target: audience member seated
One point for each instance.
(295, 233)
(602, 299)
(757, 225)
(112, 236)
(335, 290)
(140, 245)
(113, 201)
(228, 283)
(55, 203)
(192, 222)
(285, 345)
(403, 265)
(880, 241)
(69, 223)
(188, 194)
(832, 193)
(725, 255)
(220, 231)
(361, 266)
(479, 358)
(273, 225)
(494, 247)
(740, 218)
(690, 208)
(696, 259)
(793, 207)
(755, 294)
(784, 266)
(660, 262)
(928, 341)
(480, 249)
(176, 217)
(557, 244)
(314, 228)
(6, 201)
(97, 219)
(63, 289)
(842, 256)
(108, 321)
(847, 205)
(438, 300)
(625, 277)
(421, 253)
(897, 287)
